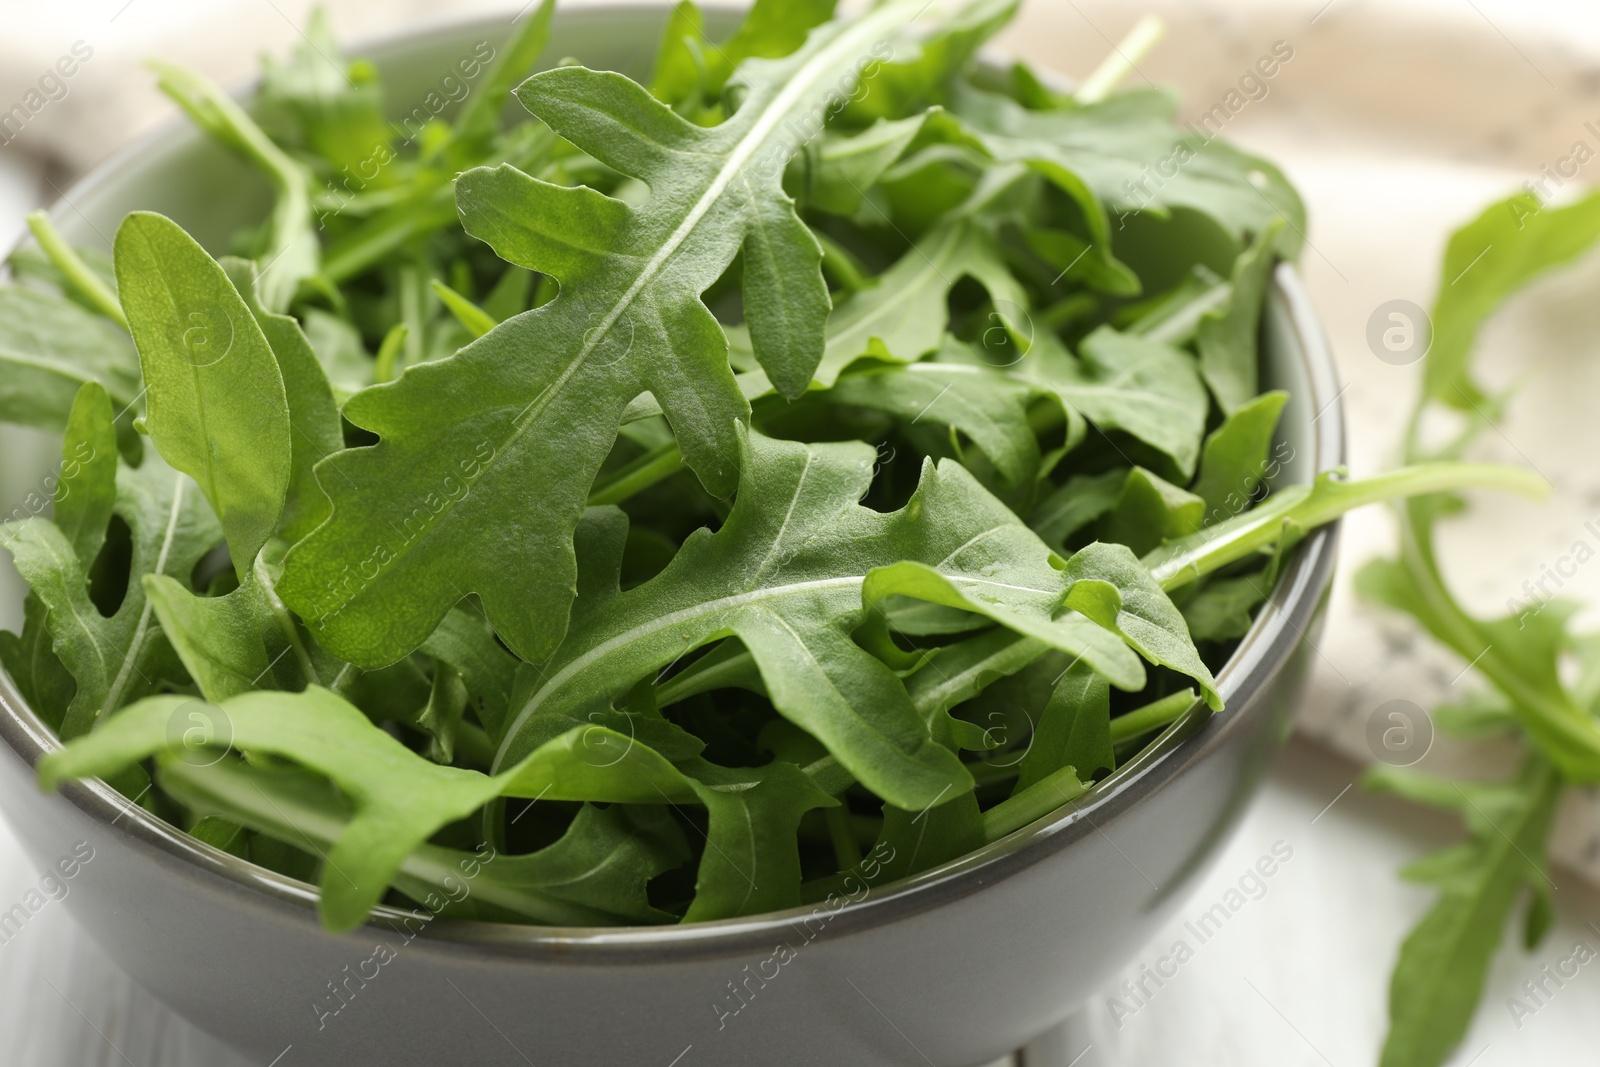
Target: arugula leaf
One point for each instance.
(906, 77)
(593, 875)
(217, 407)
(320, 104)
(1151, 511)
(1111, 586)
(480, 116)
(1445, 960)
(234, 643)
(1506, 247)
(1221, 609)
(85, 495)
(315, 429)
(537, 401)
(1075, 504)
(1236, 461)
(1118, 153)
(41, 679)
(790, 573)
(989, 408)
(117, 659)
(1227, 335)
(1134, 384)
(905, 316)
(835, 178)
(400, 799)
(1074, 730)
(690, 70)
(49, 348)
(86, 491)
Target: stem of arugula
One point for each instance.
(656, 465)
(75, 270)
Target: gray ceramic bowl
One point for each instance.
(954, 967)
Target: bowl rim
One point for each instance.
(1272, 638)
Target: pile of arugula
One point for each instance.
(832, 443)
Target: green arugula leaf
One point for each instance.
(1237, 461)
(1120, 152)
(1221, 609)
(537, 401)
(690, 70)
(117, 659)
(86, 489)
(835, 178)
(1131, 383)
(1075, 504)
(42, 681)
(479, 117)
(593, 875)
(1445, 960)
(1111, 586)
(1150, 511)
(49, 348)
(217, 407)
(1227, 335)
(1486, 261)
(232, 644)
(323, 105)
(906, 77)
(315, 429)
(989, 408)
(793, 568)
(1074, 730)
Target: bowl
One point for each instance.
(959, 965)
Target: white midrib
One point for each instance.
(136, 646)
(805, 80)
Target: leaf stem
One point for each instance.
(1123, 60)
(75, 270)
(1152, 716)
(1193, 557)
(1034, 802)
(656, 465)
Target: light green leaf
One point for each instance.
(1228, 335)
(86, 489)
(118, 659)
(1122, 151)
(1151, 511)
(234, 643)
(49, 348)
(1501, 251)
(1075, 504)
(216, 404)
(1445, 960)
(1111, 586)
(1074, 730)
(1238, 461)
(315, 429)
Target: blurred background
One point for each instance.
(1398, 120)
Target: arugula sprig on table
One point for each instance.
(1442, 966)
(672, 506)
